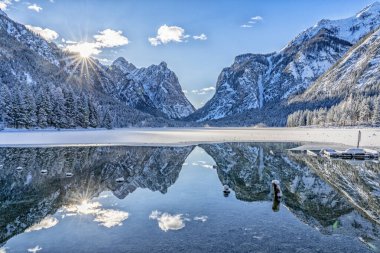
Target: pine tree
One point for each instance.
(107, 121)
(70, 106)
(29, 109)
(19, 114)
(83, 112)
(5, 105)
(376, 113)
(59, 117)
(42, 104)
(364, 112)
(93, 114)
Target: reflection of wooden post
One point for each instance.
(359, 138)
(276, 205)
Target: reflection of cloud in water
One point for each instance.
(167, 221)
(35, 249)
(46, 223)
(110, 218)
(201, 218)
(105, 217)
(202, 164)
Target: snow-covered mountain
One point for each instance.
(42, 85)
(155, 89)
(259, 83)
(358, 70)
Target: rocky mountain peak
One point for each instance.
(163, 65)
(122, 64)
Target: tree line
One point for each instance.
(352, 111)
(24, 106)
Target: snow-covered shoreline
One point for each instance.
(187, 136)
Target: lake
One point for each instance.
(170, 199)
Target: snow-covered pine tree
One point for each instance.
(29, 104)
(70, 106)
(83, 111)
(59, 109)
(5, 104)
(107, 121)
(42, 105)
(376, 113)
(364, 112)
(93, 114)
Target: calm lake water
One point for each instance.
(170, 199)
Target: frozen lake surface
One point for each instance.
(186, 136)
(170, 199)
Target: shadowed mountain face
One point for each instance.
(335, 197)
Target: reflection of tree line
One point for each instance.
(248, 169)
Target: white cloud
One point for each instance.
(107, 38)
(257, 18)
(35, 249)
(203, 91)
(200, 37)
(70, 42)
(35, 7)
(252, 21)
(166, 34)
(45, 33)
(104, 60)
(3, 250)
(4, 4)
(167, 221)
(46, 223)
(111, 38)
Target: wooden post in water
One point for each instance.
(359, 138)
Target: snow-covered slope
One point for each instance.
(154, 89)
(49, 51)
(255, 82)
(351, 29)
(358, 70)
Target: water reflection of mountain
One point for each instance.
(318, 191)
(32, 195)
(249, 169)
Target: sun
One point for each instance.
(85, 53)
(84, 49)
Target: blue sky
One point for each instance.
(270, 25)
